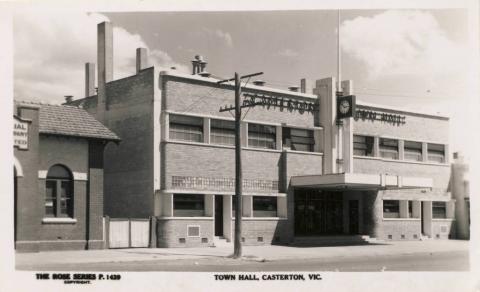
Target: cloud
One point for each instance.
(402, 42)
(51, 50)
(225, 37)
(289, 53)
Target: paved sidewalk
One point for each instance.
(258, 253)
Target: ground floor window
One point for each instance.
(188, 205)
(391, 209)
(439, 210)
(264, 206)
(59, 192)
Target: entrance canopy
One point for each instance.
(360, 181)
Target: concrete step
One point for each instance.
(220, 241)
(332, 240)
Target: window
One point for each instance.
(412, 150)
(59, 192)
(410, 209)
(436, 152)
(264, 206)
(222, 132)
(188, 205)
(388, 148)
(362, 145)
(298, 139)
(261, 136)
(391, 209)
(439, 210)
(186, 128)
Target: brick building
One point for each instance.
(58, 177)
(383, 173)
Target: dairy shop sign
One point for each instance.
(20, 134)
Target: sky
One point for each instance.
(416, 59)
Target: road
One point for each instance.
(437, 261)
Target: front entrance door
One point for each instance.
(318, 213)
(218, 215)
(353, 217)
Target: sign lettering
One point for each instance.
(20, 134)
(280, 102)
(379, 116)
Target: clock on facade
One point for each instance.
(345, 106)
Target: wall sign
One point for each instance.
(379, 116)
(280, 102)
(20, 133)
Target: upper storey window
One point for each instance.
(436, 152)
(222, 132)
(261, 136)
(412, 150)
(298, 139)
(362, 145)
(388, 148)
(186, 128)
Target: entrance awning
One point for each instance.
(360, 181)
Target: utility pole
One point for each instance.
(237, 243)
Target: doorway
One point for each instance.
(353, 217)
(422, 216)
(318, 212)
(218, 215)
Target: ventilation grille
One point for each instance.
(390, 236)
(260, 239)
(193, 231)
(403, 236)
(181, 240)
(415, 236)
(204, 240)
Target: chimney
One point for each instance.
(306, 86)
(259, 82)
(293, 88)
(68, 98)
(89, 79)
(105, 66)
(198, 64)
(142, 59)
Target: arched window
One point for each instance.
(59, 195)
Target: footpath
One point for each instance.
(253, 253)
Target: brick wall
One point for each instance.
(270, 231)
(27, 200)
(206, 98)
(443, 229)
(207, 161)
(73, 154)
(170, 230)
(417, 127)
(399, 227)
(129, 165)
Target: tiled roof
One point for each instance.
(70, 121)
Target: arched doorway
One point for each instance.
(17, 172)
